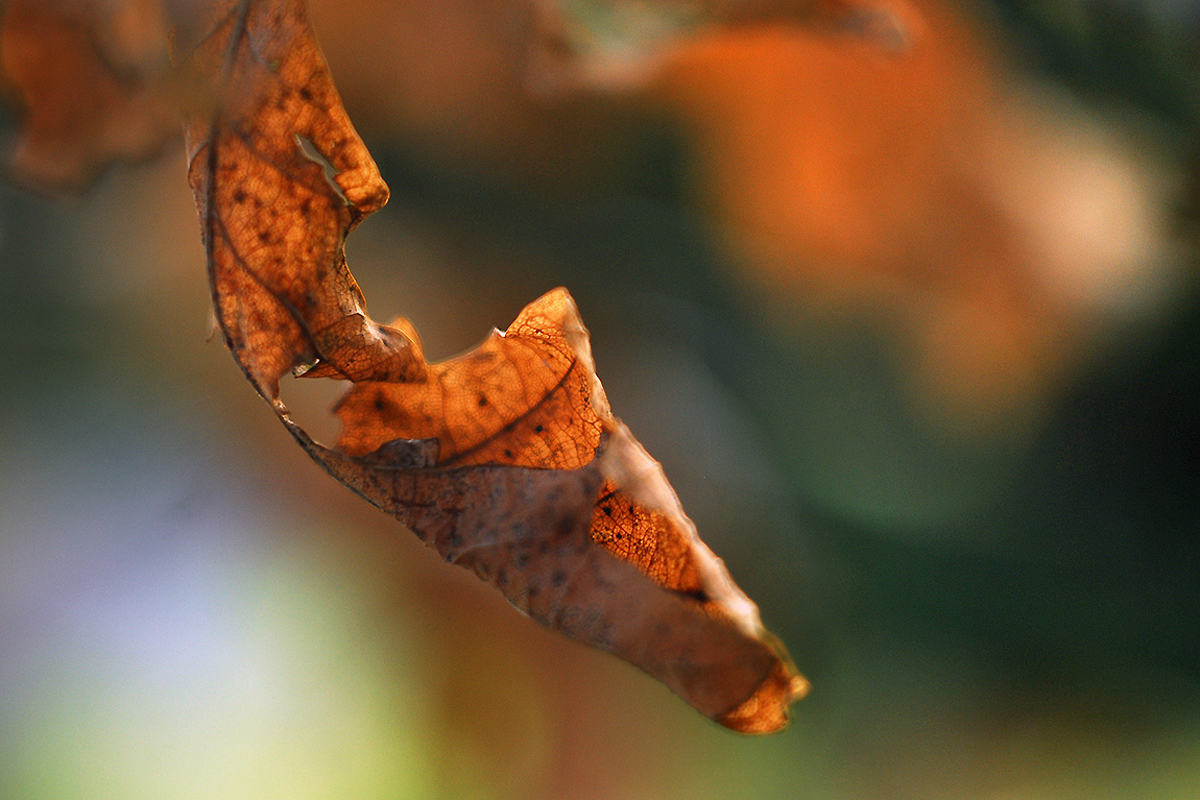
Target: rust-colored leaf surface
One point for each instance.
(95, 82)
(505, 460)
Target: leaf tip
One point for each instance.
(766, 711)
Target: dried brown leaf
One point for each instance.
(506, 460)
(95, 82)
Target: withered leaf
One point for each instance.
(506, 460)
(96, 84)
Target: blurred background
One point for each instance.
(905, 302)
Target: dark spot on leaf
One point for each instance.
(564, 527)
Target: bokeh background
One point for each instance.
(906, 306)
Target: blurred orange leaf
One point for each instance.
(507, 459)
(912, 190)
(95, 82)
